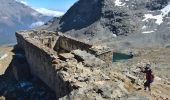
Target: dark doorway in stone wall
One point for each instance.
(61, 50)
(117, 56)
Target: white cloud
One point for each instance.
(36, 24)
(35, 13)
(4, 17)
(43, 11)
(48, 12)
(22, 1)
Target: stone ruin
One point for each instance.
(77, 70)
(62, 62)
(74, 69)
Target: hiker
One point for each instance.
(149, 76)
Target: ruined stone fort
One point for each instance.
(61, 61)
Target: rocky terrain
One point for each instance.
(136, 23)
(140, 27)
(120, 79)
(16, 16)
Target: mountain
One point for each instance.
(17, 16)
(133, 22)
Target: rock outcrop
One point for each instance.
(96, 19)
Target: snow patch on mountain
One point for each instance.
(119, 3)
(158, 18)
(166, 10)
(144, 27)
(146, 32)
(114, 35)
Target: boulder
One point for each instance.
(105, 90)
(131, 77)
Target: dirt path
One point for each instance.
(6, 58)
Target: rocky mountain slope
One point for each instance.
(16, 16)
(122, 80)
(141, 23)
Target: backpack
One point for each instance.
(152, 77)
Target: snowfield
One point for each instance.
(146, 32)
(158, 18)
(119, 3)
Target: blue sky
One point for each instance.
(60, 5)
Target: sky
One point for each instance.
(59, 5)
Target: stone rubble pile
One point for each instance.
(92, 82)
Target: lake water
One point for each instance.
(120, 56)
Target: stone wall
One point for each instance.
(70, 44)
(45, 63)
(106, 56)
(40, 59)
(47, 38)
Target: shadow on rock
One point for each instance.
(18, 84)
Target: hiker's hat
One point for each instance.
(148, 66)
